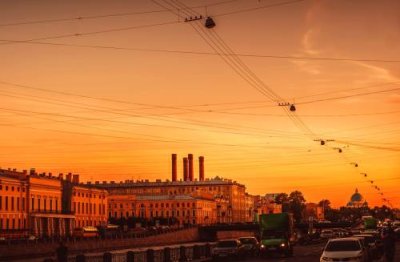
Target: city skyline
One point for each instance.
(111, 90)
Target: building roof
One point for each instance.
(159, 183)
(169, 197)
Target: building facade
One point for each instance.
(13, 206)
(88, 204)
(47, 206)
(176, 209)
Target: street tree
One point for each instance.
(297, 205)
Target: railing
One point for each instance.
(167, 254)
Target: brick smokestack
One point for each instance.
(190, 159)
(69, 177)
(174, 168)
(201, 168)
(185, 169)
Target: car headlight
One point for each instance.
(326, 258)
(283, 245)
(262, 246)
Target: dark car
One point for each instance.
(228, 249)
(250, 245)
(374, 245)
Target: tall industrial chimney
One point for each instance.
(185, 169)
(201, 168)
(190, 159)
(174, 169)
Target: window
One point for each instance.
(1, 205)
(12, 189)
(17, 203)
(33, 204)
(38, 201)
(23, 204)
(6, 203)
(44, 204)
(51, 205)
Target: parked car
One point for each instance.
(229, 249)
(366, 247)
(344, 249)
(250, 245)
(374, 245)
(327, 233)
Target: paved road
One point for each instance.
(309, 254)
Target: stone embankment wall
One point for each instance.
(32, 250)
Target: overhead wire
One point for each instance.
(296, 119)
(188, 52)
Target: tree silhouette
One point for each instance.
(297, 205)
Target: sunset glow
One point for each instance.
(110, 89)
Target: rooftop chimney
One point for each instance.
(201, 168)
(190, 159)
(75, 179)
(68, 177)
(185, 169)
(174, 168)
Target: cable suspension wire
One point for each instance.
(118, 29)
(81, 18)
(188, 52)
(292, 115)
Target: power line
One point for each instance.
(348, 96)
(93, 32)
(81, 18)
(172, 51)
(259, 8)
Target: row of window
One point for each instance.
(84, 223)
(44, 205)
(133, 205)
(12, 188)
(88, 208)
(13, 223)
(88, 195)
(152, 214)
(12, 203)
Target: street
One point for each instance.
(309, 254)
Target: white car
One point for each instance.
(326, 233)
(344, 249)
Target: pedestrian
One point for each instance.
(389, 245)
(62, 252)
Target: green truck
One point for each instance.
(370, 222)
(277, 234)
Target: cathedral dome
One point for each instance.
(357, 200)
(356, 197)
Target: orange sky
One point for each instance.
(193, 103)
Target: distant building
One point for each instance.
(179, 209)
(31, 204)
(232, 203)
(266, 205)
(88, 204)
(313, 211)
(47, 206)
(357, 201)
